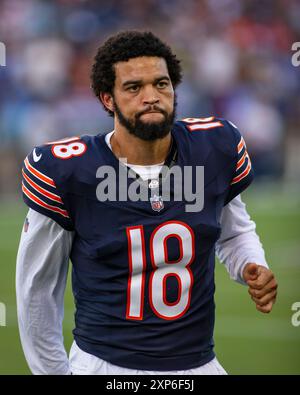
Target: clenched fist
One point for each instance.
(262, 286)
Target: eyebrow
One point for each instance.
(136, 82)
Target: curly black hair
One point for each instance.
(124, 46)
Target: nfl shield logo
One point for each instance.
(26, 224)
(157, 203)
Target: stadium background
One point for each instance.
(237, 64)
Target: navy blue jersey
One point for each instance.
(143, 271)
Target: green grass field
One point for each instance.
(247, 342)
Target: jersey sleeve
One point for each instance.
(39, 188)
(243, 174)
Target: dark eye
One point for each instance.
(133, 88)
(162, 84)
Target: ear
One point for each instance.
(107, 100)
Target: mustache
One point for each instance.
(149, 109)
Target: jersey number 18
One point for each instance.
(162, 269)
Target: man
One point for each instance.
(143, 270)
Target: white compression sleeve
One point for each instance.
(238, 244)
(42, 267)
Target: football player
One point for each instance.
(142, 269)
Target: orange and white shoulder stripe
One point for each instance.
(43, 204)
(207, 123)
(38, 174)
(243, 166)
(39, 194)
(41, 190)
(242, 161)
(242, 175)
(241, 145)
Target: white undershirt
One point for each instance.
(145, 172)
(42, 267)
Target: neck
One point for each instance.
(138, 151)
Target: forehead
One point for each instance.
(141, 68)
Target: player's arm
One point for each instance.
(42, 267)
(240, 249)
(42, 263)
(239, 245)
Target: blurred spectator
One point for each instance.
(236, 58)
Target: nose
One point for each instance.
(150, 96)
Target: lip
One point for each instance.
(152, 112)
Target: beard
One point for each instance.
(148, 131)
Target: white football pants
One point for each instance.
(82, 363)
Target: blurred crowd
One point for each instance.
(236, 57)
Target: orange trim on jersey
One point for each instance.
(204, 126)
(63, 141)
(207, 119)
(195, 120)
(41, 190)
(41, 203)
(242, 175)
(241, 161)
(241, 145)
(38, 174)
